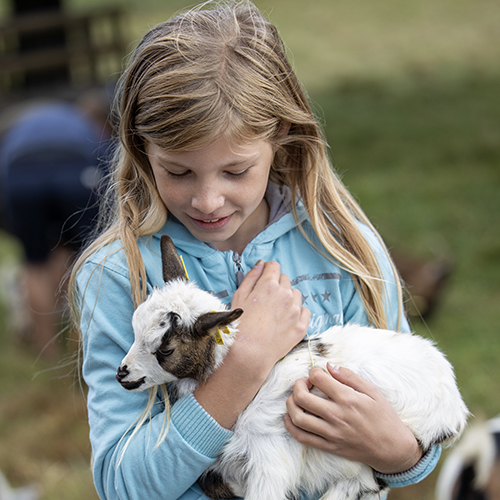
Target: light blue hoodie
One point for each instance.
(194, 439)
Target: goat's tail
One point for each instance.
(468, 466)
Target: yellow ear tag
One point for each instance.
(184, 266)
(218, 336)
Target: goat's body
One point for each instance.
(263, 462)
(174, 339)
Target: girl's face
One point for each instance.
(217, 192)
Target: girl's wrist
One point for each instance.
(251, 357)
(230, 389)
(413, 456)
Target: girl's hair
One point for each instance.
(223, 69)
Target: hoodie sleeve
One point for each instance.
(194, 439)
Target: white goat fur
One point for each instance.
(262, 461)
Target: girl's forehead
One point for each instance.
(221, 150)
(232, 128)
(223, 144)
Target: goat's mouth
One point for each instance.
(131, 386)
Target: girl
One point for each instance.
(218, 148)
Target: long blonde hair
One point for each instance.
(223, 69)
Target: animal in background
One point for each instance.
(472, 470)
(426, 280)
(180, 339)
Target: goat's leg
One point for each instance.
(213, 485)
(351, 490)
(273, 469)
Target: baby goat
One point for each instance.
(177, 340)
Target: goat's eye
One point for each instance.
(162, 324)
(164, 352)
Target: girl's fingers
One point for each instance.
(354, 421)
(305, 437)
(350, 379)
(267, 298)
(307, 410)
(285, 281)
(251, 279)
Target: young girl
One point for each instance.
(219, 150)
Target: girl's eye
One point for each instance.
(178, 175)
(238, 175)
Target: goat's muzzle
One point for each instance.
(122, 374)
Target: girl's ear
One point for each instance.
(283, 130)
(171, 264)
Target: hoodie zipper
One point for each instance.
(238, 269)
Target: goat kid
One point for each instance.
(175, 342)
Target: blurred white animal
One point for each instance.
(177, 339)
(23, 493)
(472, 470)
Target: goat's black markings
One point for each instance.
(367, 491)
(130, 386)
(214, 486)
(317, 347)
(444, 436)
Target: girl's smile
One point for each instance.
(217, 192)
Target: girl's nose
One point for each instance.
(208, 201)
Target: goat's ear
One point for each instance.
(171, 264)
(205, 323)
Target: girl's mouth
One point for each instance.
(211, 224)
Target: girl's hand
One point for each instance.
(354, 422)
(273, 321)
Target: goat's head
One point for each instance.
(175, 331)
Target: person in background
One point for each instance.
(51, 163)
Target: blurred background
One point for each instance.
(409, 93)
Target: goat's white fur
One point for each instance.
(262, 461)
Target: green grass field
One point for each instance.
(410, 95)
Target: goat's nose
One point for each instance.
(122, 373)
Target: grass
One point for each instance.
(409, 95)
(424, 164)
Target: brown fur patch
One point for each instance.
(319, 348)
(191, 358)
(214, 486)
